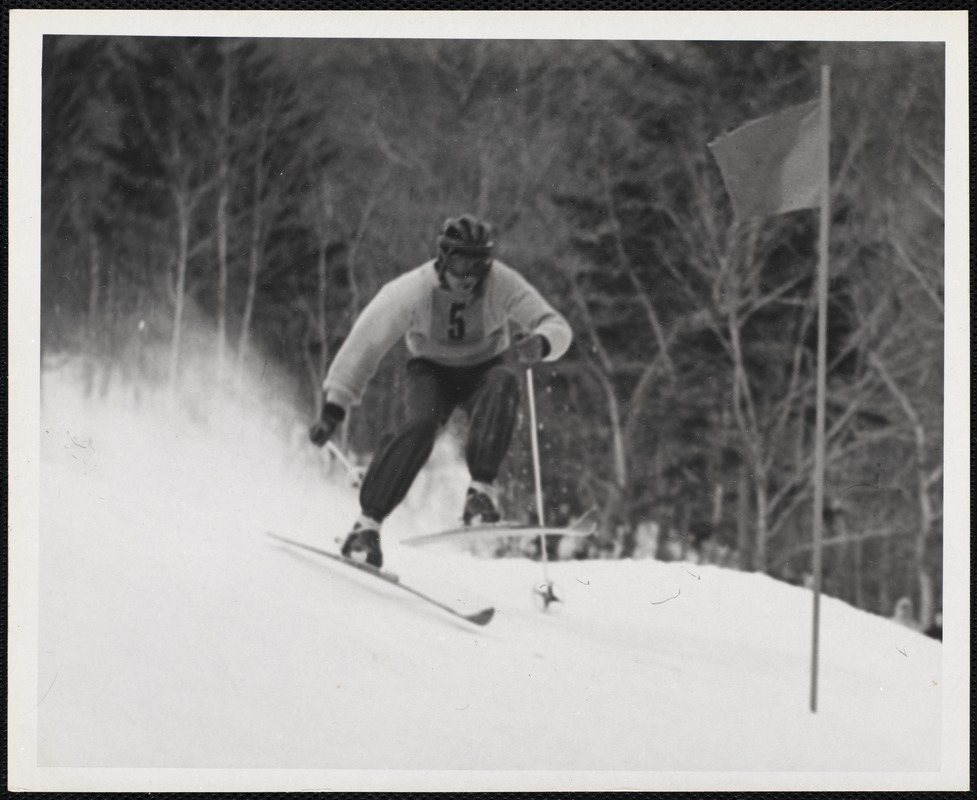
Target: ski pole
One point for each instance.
(539, 484)
(354, 473)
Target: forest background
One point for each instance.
(245, 198)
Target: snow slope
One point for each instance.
(174, 634)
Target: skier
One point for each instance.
(454, 312)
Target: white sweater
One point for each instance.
(447, 327)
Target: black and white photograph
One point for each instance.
(488, 401)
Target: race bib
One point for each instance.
(457, 318)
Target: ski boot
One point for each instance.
(364, 538)
(480, 504)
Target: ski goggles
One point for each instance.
(467, 265)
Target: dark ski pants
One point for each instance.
(488, 393)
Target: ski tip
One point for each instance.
(483, 617)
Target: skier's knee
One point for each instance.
(419, 432)
(501, 383)
(500, 396)
(492, 423)
(393, 470)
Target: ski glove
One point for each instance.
(531, 349)
(329, 419)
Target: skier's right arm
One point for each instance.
(376, 330)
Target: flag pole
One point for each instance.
(822, 289)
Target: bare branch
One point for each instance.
(909, 263)
(627, 265)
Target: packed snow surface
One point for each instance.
(174, 633)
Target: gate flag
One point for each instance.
(773, 164)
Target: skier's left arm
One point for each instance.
(537, 318)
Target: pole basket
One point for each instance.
(545, 596)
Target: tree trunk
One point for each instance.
(923, 578)
(182, 250)
(316, 345)
(221, 279)
(718, 503)
(855, 560)
(110, 332)
(682, 526)
(484, 170)
(612, 505)
(221, 267)
(658, 492)
(94, 292)
(249, 297)
(321, 328)
(255, 249)
(762, 514)
(926, 600)
(355, 289)
(885, 576)
(223, 169)
(743, 546)
(248, 312)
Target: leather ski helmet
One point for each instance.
(465, 235)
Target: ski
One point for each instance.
(482, 617)
(583, 527)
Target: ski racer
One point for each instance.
(454, 312)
